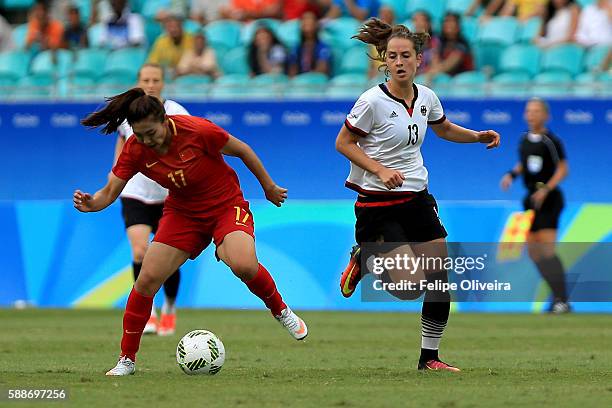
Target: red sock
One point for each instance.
(263, 286)
(137, 312)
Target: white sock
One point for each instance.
(431, 333)
(167, 308)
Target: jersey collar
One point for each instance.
(173, 126)
(410, 108)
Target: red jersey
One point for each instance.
(193, 169)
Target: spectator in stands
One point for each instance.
(266, 53)
(75, 35)
(490, 8)
(311, 55)
(594, 25)
(559, 24)
(6, 35)
(387, 15)
(44, 33)
(524, 9)
(245, 10)
(200, 60)
(122, 28)
(170, 46)
(358, 9)
(421, 22)
(293, 9)
(454, 52)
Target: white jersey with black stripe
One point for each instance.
(140, 187)
(391, 132)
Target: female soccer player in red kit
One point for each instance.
(205, 203)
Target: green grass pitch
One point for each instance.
(348, 360)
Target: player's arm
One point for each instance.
(455, 133)
(237, 148)
(560, 173)
(118, 147)
(509, 177)
(346, 144)
(85, 202)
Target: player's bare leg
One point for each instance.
(238, 252)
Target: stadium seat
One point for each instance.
(14, 64)
(17, 4)
(520, 57)
(595, 57)
(150, 8)
(510, 84)
(347, 86)
(224, 32)
(338, 32)
(227, 92)
(125, 60)
(94, 35)
(44, 64)
(152, 30)
(552, 83)
(529, 30)
(499, 30)
(233, 80)
(310, 84)
(81, 87)
(192, 27)
(398, 7)
(265, 80)
(84, 7)
(458, 6)
(89, 61)
(435, 9)
(235, 62)
(289, 33)
(587, 84)
(19, 35)
(248, 29)
(357, 80)
(469, 29)
(468, 84)
(565, 57)
(191, 86)
(584, 3)
(487, 55)
(354, 61)
(35, 87)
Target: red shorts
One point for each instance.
(193, 234)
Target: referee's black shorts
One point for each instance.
(415, 220)
(547, 217)
(135, 212)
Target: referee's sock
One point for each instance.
(552, 272)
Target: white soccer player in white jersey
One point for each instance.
(382, 138)
(142, 203)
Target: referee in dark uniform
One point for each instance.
(543, 166)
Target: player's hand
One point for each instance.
(490, 137)
(276, 195)
(391, 178)
(506, 182)
(82, 201)
(537, 198)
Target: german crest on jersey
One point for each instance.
(423, 110)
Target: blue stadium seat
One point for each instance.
(14, 64)
(565, 57)
(587, 84)
(552, 83)
(150, 8)
(224, 32)
(310, 84)
(192, 27)
(239, 80)
(191, 86)
(81, 87)
(510, 84)
(35, 87)
(469, 29)
(89, 61)
(520, 57)
(435, 9)
(289, 33)
(354, 61)
(487, 55)
(458, 6)
(152, 30)
(265, 80)
(125, 61)
(248, 29)
(94, 35)
(52, 63)
(347, 86)
(595, 57)
(468, 84)
(398, 6)
(19, 35)
(529, 30)
(499, 30)
(235, 62)
(17, 4)
(338, 32)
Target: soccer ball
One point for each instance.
(200, 352)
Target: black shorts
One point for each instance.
(136, 212)
(547, 217)
(412, 221)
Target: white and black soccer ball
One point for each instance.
(200, 352)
